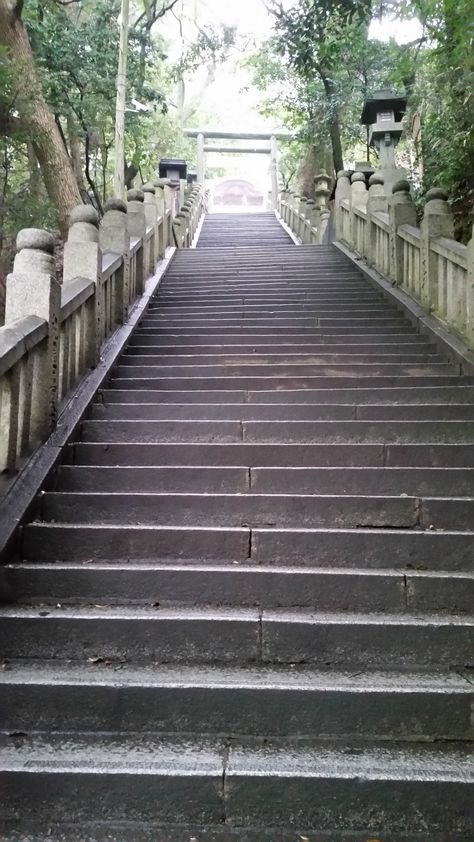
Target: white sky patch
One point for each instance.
(403, 31)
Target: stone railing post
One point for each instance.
(376, 203)
(308, 212)
(302, 218)
(401, 211)
(359, 198)
(151, 219)
(136, 224)
(114, 237)
(470, 290)
(310, 217)
(83, 259)
(322, 193)
(163, 239)
(33, 290)
(324, 218)
(343, 191)
(437, 222)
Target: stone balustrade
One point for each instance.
(54, 332)
(426, 261)
(308, 219)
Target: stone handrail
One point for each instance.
(426, 261)
(308, 219)
(54, 332)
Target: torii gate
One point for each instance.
(203, 135)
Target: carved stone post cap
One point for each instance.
(357, 177)
(162, 182)
(115, 205)
(401, 186)
(135, 195)
(376, 178)
(84, 213)
(148, 187)
(35, 238)
(343, 174)
(436, 193)
(310, 202)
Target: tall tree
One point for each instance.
(35, 117)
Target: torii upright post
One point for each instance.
(274, 170)
(201, 166)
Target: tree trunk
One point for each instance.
(76, 152)
(333, 122)
(35, 114)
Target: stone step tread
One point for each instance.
(217, 677)
(225, 614)
(170, 582)
(329, 480)
(204, 757)
(163, 411)
(409, 396)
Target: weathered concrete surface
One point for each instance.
(242, 609)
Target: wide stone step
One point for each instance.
(147, 346)
(378, 396)
(178, 382)
(277, 412)
(334, 432)
(170, 583)
(274, 455)
(457, 482)
(227, 357)
(370, 548)
(236, 636)
(260, 702)
(255, 510)
(323, 786)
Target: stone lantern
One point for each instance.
(384, 113)
(322, 191)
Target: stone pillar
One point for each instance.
(376, 203)
(136, 224)
(33, 290)
(322, 192)
(201, 159)
(301, 212)
(151, 220)
(470, 292)
(274, 170)
(437, 222)
(343, 191)
(114, 238)
(83, 259)
(401, 211)
(312, 215)
(359, 198)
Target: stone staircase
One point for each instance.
(241, 609)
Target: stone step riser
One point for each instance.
(347, 548)
(411, 396)
(239, 637)
(148, 346)
(330, 432)
(275, 455)
(258, 510)
(245, 586)
(239, 480)
(230, 359)
(236, 710)
(276, 412)
(280, 383)
(197, 797)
